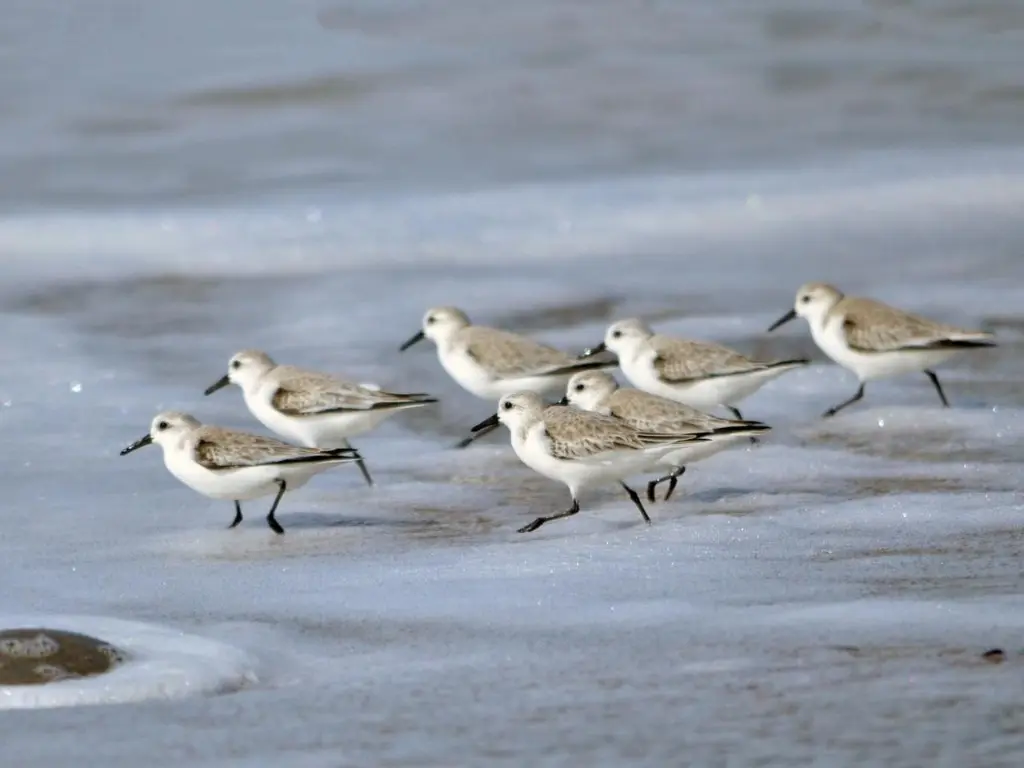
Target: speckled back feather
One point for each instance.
(508, 355)
(576, 434)
(680, 360)
(658, 414)
(307, 393)
(871, 326)
(220, 449)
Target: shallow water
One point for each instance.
(308, 180)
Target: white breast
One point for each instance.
(831, 340)
(533, 449)
(258, 403)
(239, 484)
(638, 368)
(467, 372)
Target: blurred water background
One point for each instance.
(181, 180)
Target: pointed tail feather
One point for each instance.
(404, 401)
(333, 456)
(668, 438)
(742, 428)
(979, 342)
(797, 361)
(777, 367)
(422, 397)
(579, 365)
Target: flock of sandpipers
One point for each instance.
(598, 432)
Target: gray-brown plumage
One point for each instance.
(871, 326)
(217, 448)
(507, 355)
(489, 362)
(226, 464)
(658, 414)
(681, 360)
(306, 393)
(576, 434)
(309, 407)
(579, 448)
(875, 340)
(600, 393)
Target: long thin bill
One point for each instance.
(140, 443)
(416, 338)
(791, 315)
(220, 383)
(489, 423)
(484, 428)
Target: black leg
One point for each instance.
(636, 500)
(541, 520)
(837, 408)
(673, 480)
(739, 417)
(938, 388)
(476, 435)
(360, 463)
(238, 516)
(271, 520)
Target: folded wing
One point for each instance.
(870, 326)
(307, 393)
(508, 355)
(651, 413)
(678, 360)
(579, 435)
(222, 449)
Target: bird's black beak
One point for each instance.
(142, 442)
(485, 427)
(418, 337)
(220, 383)
(791, 315)
(563, 401)
(489, 423)
(592, 351)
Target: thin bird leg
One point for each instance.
(673, 480)
(541, 520)
(238, 515)
(636, 500)
(271, 520)
(361, 463)
(739, 417)
(938, 387)
(480, 433)
(837, 408)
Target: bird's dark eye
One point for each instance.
(236, 364)
(579, 387)
(805, 300)
(430, 320)
(507, 406)
(162, 425)
(616, 334)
